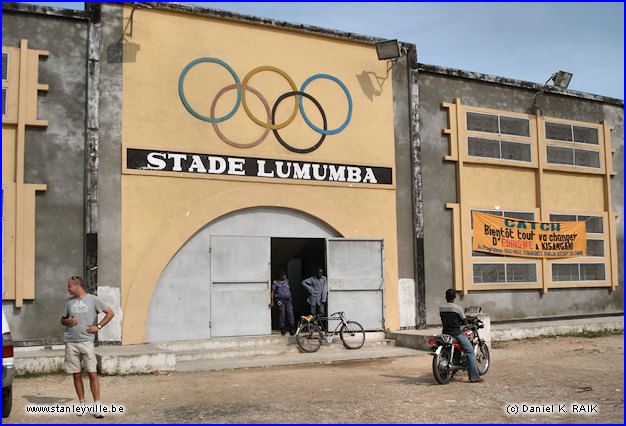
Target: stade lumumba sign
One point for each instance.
(208, 164)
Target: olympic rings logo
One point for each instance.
(269, 122)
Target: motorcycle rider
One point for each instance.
(452, 316)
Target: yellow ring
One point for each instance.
(291, 83)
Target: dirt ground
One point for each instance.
(546, 380)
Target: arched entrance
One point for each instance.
(217, 284)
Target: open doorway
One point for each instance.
(299, 258)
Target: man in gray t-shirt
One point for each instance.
(79, 318)
(85, 310)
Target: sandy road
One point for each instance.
(547, 378)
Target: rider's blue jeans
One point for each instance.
(472, 369)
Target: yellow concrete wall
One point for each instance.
(588, 197)
(495, 185)
(162, 210)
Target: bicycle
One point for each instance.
(311, 334)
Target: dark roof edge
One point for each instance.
(185, 7)
(452, 72)
(57, 12)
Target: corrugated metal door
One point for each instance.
(240, 287)
(356, 280)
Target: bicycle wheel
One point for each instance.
(309, 337)
(352, 335)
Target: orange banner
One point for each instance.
(515, 237)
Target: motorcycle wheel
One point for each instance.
(442, 375)
(482, 359)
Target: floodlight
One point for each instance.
(389, 49)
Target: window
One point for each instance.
(498, 124)
(504, 273)
(500, 149)
(504, 213)
(595, 248)
(593, 224)
(576, 272)
(572, 156)
(5, 66)
(571, 133)
(5, 77)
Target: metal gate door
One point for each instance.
(356, 280)
(240, 286)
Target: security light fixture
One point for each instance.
(388, 50)
(562, 79)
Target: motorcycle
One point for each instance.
(448, 356)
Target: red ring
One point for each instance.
(221, 135)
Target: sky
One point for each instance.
(523, 41)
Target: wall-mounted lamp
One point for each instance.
(561, 79)
(388, 50)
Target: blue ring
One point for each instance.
(182, 94)
(345, 89)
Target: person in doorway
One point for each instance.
(452, 316)
(281, 297)
(317, 286)
(79, 318)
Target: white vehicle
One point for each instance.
(8, 370)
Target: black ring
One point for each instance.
(285, 144)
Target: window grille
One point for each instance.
(504, 273)
(5, 66)
(577, 272)
(593, 224)
(571, 133)
(595, 248)
(504, 150)
(482, 122)
(499, 124)
(514, 126)
(572, 156)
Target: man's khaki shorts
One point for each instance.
(74, 351)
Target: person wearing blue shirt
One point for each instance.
(281, 297)
(317, 286)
